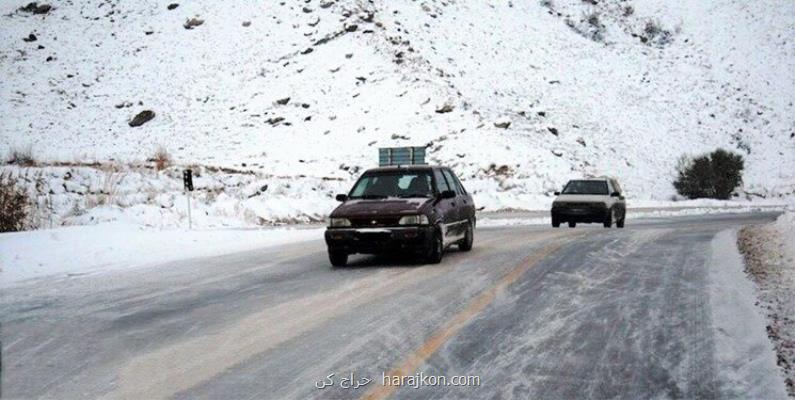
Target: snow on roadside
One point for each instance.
(88, 195)
(543, 219)
(91, 194)
(785, 225)
(80, 250)
(495, 222)
(743, 350)
(698, 211)
(769, 252)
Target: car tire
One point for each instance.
(555, 223)
(572, 224)
(609, 219)
(338, 258)
(469, 237)
(436, 251)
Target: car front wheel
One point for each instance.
(437, 249)
(338, 258)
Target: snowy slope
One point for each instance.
(584, 96)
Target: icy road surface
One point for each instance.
(534, 312)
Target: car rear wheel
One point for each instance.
(338, 258)
(555, 223)
(469, 237)
(572, 224)
(437, 249)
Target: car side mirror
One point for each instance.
(615, 194)
(342, 197)
(557, 193)
(447, 194)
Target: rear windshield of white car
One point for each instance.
(586, 187)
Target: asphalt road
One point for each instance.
(533, 312)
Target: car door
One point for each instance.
(458, 225)
(466, 210)
(445, 208)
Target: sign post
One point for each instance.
(187, 182)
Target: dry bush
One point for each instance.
(14, 205)
(161, 158)
(22, 157)
(652, 29)
(593, 19)
(628, 10)
(110, 188)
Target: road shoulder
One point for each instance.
(743, 350)
(770, 262)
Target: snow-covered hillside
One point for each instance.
(307, 91)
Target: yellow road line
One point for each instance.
(475, 307)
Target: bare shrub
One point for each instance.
(593, 19)
(161, 158)
(655, 34)
(41, 214)
(652, 29)
(595, 29)
(22, 157)
(14, 205)
(628, 10)
(109, 189)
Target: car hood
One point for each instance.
(389, 206)
(582, 198)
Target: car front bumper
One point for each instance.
(580, 214)
(414, 239)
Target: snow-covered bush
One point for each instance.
(21, 156)
(593, 19)
(628, 10)
(654, 33)
(713, 175)
(14, 204)
(589, 26)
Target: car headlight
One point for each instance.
(339, 222)
(413, 220)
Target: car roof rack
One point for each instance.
(401, 156)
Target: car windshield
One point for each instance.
(393, 184)
(586, 187)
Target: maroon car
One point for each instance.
(419, 209)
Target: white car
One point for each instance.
(592, 200)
